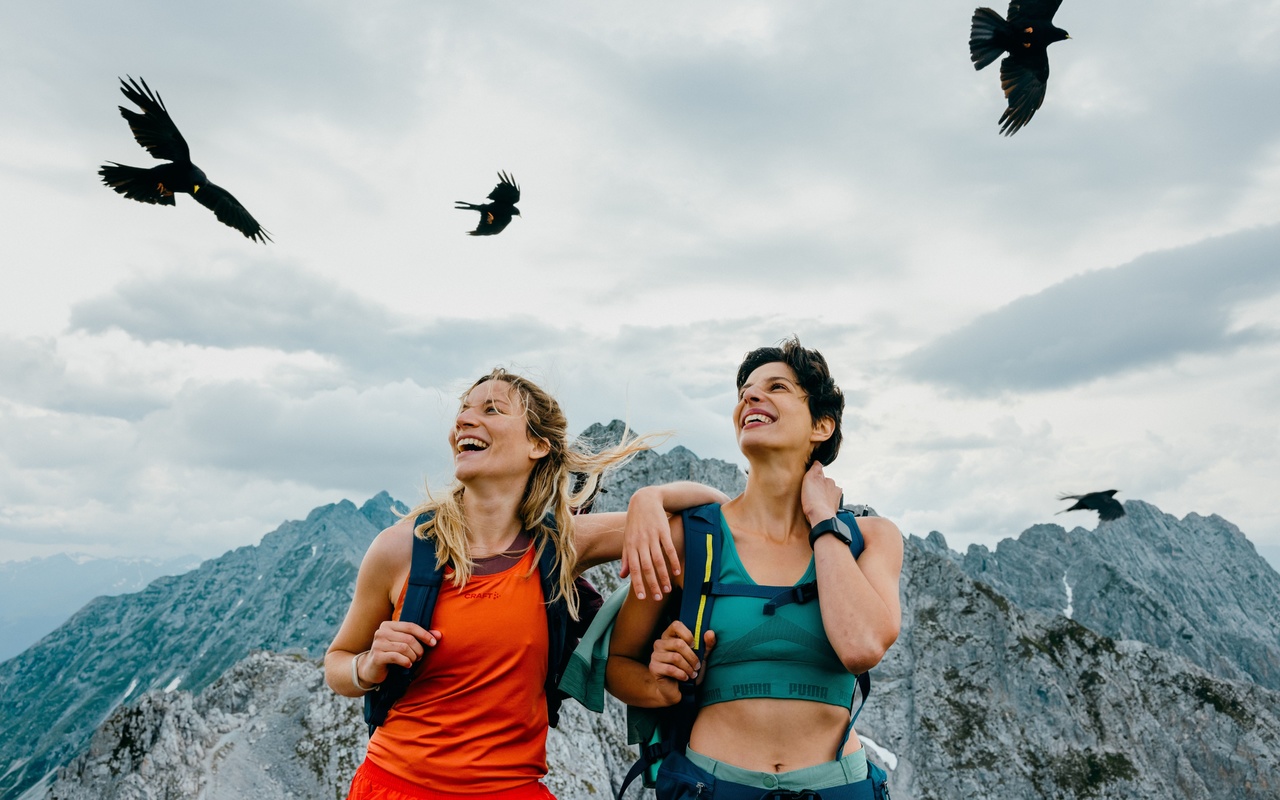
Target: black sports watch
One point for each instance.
(834, 526)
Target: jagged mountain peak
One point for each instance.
(980, 697)
(606, 434)
(382, 510)
(1195, 585)
(1005, 681)
(289, 591)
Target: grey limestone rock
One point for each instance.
(1195, 586)
(980, 698)
(268, 728)
(650, 467)
(1159, 682)
(289, 591)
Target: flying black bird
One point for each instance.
(496, 215)
(155, 131)
(1026, 35)
(1105, 503)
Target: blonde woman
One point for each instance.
(473, 722)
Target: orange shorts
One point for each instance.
(372, 782)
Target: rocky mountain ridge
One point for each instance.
(288, 592)
(267, 728)
(982, 698)
(991, 690)
(977, 698)
(1194, 586)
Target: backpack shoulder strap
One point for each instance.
(425, 577)
(864, 683)
(702, 544)
(557, 625)
(856, 544)
(563, 631)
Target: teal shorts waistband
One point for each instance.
(850, 769)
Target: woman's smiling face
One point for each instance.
(490, 436)
(773, 413)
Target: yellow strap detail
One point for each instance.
(702, 600)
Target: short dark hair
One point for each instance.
(826, 401)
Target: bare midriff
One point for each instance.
(772, 735)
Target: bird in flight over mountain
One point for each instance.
(496, 215)
(155, 131)
(1105, 503)
(1026, 37)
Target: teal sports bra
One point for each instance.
(785, 654)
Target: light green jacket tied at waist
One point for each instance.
(583, 678)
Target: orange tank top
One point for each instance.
(474, 720)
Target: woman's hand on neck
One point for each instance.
(770, 504)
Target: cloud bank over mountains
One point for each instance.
(230, 398)
(1146, 313)
(1087, 304)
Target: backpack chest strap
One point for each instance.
(777, 596)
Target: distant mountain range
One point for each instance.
(981, 697)
(39, 594)
(1135, 661)
(289, 592)
(1192, 586)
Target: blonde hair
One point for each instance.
(548, 491)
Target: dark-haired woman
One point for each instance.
(776, 689)
(473, 723)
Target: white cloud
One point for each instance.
(331, 439)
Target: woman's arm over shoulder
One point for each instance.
(642, 536)
(598, 535)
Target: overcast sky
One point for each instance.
(1090, 304)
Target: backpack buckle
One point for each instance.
(656, 751)
(796, 594)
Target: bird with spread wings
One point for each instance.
(496, 215)
(155, 131)
(1025, 36)
(1105, 503)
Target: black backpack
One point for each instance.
(425, 578)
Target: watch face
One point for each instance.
(836, 527)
